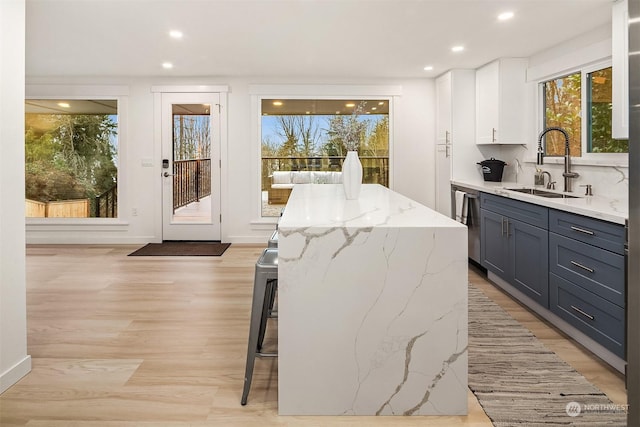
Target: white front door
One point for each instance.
(190, 166)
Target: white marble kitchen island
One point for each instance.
(372, 306)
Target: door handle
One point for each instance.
(166, 174)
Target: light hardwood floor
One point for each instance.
(161, 341)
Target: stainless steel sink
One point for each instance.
(542, 193)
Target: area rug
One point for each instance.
(182, 249)
(519, 382)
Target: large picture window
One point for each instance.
(71, 158)
(301, 144)
(581, 104)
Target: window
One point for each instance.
(300, 144)
(563, 108)
(599, 114)
(567, 100)
(71, 158)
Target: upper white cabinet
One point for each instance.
(620, 59)
(455, 110)
(501, 96)
(443, 144)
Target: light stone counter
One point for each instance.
(610, 209)
(372, 306)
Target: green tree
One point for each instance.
(69, 156)
(563, 108)
(376, 142)
(601, 115)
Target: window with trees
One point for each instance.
(71, 158)
(567, 100)
(301, 144)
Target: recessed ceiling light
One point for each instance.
(167, 65)
(175, 34)
(337, 112)
(374, 108)
(381, 103)
(350, 105)
(428, 68)
(277, 103)
(505, 16)
(457, 48)
(64, 104)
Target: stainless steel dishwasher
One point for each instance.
(473, 218)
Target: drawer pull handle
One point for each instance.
(582, 230)
(590, 317)
(584, 267)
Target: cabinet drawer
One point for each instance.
(594, 316)
(596, 270)
(603, 234)
(522, 211)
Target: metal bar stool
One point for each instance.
(273, 240)
(264, 286)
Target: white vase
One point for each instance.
(352, 175)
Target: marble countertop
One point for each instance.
(372, 305)
(599, 207)
(324, 205)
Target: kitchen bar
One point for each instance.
(372, 306)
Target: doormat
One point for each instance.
(520, 382)
(182, 249)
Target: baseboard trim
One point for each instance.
(15, 373)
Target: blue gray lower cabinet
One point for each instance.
(569, 264)
(596, 317)
(594, 269)
(513, 249)
(587, 277)
(494, 246)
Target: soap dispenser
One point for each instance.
(539, 177)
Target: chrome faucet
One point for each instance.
(550, 179)
(567, 174)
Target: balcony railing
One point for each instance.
(191, 181)
(106, 204)
(375, 169)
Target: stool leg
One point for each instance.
(266, 310)
(259, 294)
(272, 301)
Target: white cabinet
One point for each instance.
(454, 128)
(443, 144)
(501, 97)
(620, 59)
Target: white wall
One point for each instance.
(412, 158)
(14, 361)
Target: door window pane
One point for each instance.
(71, 158)
(191, 163)
(301, 143)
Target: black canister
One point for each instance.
(492, 169)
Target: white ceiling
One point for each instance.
(293, 38)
